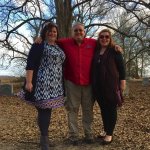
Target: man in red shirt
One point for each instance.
(79, 53)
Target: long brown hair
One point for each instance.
(111, 44)
(48, 27)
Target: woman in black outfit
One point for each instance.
(108, 82)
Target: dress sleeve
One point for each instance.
(120, 65)
(33, 57)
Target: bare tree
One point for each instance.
(21, 21)
(133, 46)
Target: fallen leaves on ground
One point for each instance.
(18, 128)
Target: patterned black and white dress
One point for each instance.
(49, 92)
(46, 61)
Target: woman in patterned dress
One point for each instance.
(44, 82)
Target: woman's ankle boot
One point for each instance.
(44, 143)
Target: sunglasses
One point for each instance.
(104, 36)
(76, 30)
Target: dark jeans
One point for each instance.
(44, 116)
(109, 115)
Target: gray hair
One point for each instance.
(78, 23)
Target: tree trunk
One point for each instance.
(136, 68)
(64, 17)
(129, 64)
(142, 65)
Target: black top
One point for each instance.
(107, 71)
(119, 63)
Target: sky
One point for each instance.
(12, 71)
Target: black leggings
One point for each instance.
(43, 120)
(109, 116)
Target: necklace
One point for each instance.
(99, 58)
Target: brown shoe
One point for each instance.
(88, 139)
(72, 141)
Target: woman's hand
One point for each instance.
(123, 85)
(118, 49)
(38, 40)
(29, 87)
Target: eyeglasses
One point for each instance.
(104, 36)
(76, 30)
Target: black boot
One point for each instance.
(44, 143)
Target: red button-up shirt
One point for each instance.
(78, 59)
